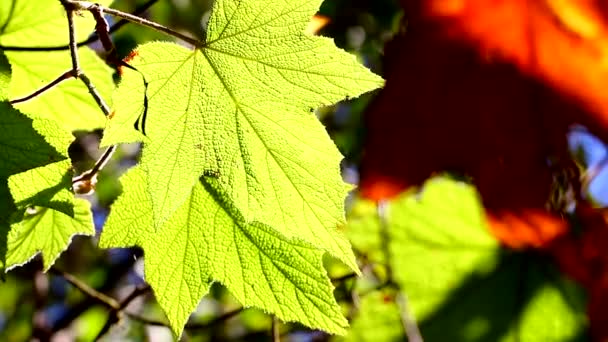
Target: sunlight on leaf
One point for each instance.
(48, 231)
(239, 109)
(23, 23)
(460, 284)
(207, 239)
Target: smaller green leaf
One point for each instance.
(23, 148)
(378, 319)
(363, 230)
(48, 231)
(69, 103)
(40, 23)
(46, 186)
(460, 283)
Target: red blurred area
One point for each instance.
(489, 89)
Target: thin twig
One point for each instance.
(72, 37)
(70, 7)
(140, 290)
(116, 308)
(95, 93)
(115, 273)
(344, 277)
(116, 314)
(219, 319)
(86, 289)
(65, 76)
(92, 39)
(89, 6)
(276, 333)
(88, 177)
(189, 326)
(146, 321)
(407, 319)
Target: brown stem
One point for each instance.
(122, 22)
(276, 333)
(89, 6)
(86, 289)
(189, 326)
(88, 176)
(66, 75)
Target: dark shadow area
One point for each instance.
(490, 307)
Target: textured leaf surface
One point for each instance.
(208, 239)
(33, 162)
(48, 231)
(21, 146)
(46, 186)
(44, 23)
(461, 286)
(239, 109)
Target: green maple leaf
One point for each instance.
(43, 23)
(239, 108)
(47, 186)
(460, 284)
(48, 231)
(208, 239)
(25, 143)
(34, 164)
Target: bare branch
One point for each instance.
(86, 289)
(190, 326)
(276, 332)
(93, 7)
(118, 25)
(65, 76)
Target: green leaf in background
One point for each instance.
(460, 284)
(21, 146)
(33, 162)
(239, 108)
(46, 186)
(377, 319)
(43, 23)
(48, 231)
(208, 239)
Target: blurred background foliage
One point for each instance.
(53, 306)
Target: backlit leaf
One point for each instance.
(43, 23)
(459, 283)
(239, 108)
(207, 239)
(48, 231)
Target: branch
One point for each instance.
(407, 319)
(117, 313)
(92, 39)
(114, 275)
(344, 277)
(191, 326)
(87, 290)
(93, 7)
(85, 182)
(275, 328)
(65, 76)
(116, 308)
